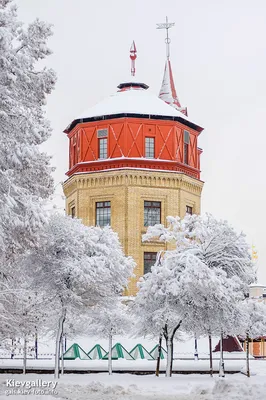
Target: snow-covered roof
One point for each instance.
(131, 101)
(257, 285)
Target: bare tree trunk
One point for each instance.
(58, 341)
(65, 342)
(36, 345)
(196, 354)
(172, 354)
(25, 355)
(62, 356)
(12, 349)
(210, 349)
(169, 346)
(169, 352)
(110, 355)
(247, 356)
(221, 366)
(157, 373)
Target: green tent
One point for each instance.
(139, 351)
(75, 351)
(118, 351)
(154, 352)
(97, 352)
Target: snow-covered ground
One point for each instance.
(131, 387)
(124, 386)
(123, 365)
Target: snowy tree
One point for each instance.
(108, 319)
(157, 305)
(30, 311)
(25, 309)
(220, 245)
(208, 252)
(79, 267)
(252, 316)
(212, 299)
(25, 172)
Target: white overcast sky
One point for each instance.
(218, 55)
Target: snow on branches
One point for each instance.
(84, 262)
(196, 286)
(79, 267)
(109, 320)
(25, 172)
(219, 244)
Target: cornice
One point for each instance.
(156, 179)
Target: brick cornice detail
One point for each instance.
(132, 178)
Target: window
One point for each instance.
(75, 154)
(149, 261)
(149, 147)
(102, 148)
(102, 133)
(152, 213)
(186, 146)
(189, 210)
(103, 213)
(73, 212)
(75, 150)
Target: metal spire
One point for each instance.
(168, 92)
(133, 56)
(166, 25)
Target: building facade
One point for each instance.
(258, 345)
(257, 292)
(133, 161)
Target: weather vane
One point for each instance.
(166, 25)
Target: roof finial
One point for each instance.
(133, 56)
(166, 25)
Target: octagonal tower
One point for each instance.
(134, 160)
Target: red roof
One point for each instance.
(231, 343)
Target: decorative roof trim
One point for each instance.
(127, 85)
(128, 115)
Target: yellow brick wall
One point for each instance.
(127, 190)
